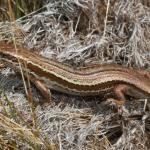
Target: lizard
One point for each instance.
(93, 80)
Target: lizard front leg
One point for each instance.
(40, 85)
(44, 90)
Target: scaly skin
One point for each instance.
(91, 80)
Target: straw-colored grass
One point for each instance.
(78, 33)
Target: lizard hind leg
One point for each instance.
(120, 91)
(123, 90)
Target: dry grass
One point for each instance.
(78, 32)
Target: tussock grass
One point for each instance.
(79, 33)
